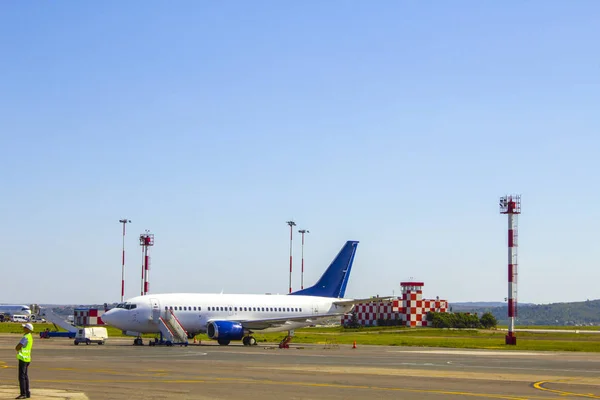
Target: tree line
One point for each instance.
(461, 320)
(438, 320)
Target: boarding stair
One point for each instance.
(171, 330)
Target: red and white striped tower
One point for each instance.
(511, 206)
(291, 224)
(302, 232)
(123, 221)
(146, 240)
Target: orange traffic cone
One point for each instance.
(354, 345)
(194, 339)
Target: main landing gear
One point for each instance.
(249, 341)
(138, 341)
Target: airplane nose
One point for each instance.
(107, 317)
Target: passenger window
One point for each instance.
(230, 309)
(222, 309)
(199, 308)
(300, 310)
(235, 308)
(245, 308)
(184, 308)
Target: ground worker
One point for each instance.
(24, 356)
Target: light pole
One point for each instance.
(123, 221)
(302, 232)
(291, 224)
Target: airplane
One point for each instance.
(227, 317)
(13, 309)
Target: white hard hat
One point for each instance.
(28, 326)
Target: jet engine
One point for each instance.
(225, 330)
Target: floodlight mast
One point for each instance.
(123, 221)
(291, 224)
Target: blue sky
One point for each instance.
(398, 124)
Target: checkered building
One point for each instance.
(88, 316)
(410, 309)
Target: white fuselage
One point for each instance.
(15, 309)
(194, 311)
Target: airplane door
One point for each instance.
(315, 309)
(155, 305)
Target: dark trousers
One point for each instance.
(24, 378)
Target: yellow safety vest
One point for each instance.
(25, 353)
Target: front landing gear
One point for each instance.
(249, 341)
(138, 341)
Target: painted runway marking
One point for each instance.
(540, 386)
(295, 383)
(471, 353)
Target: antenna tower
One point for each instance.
(146, 241)
(302, 232)
(511, 206)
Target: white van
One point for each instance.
(91, 335)
(20, 318)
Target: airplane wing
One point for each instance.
(357, 301)
(259, 324)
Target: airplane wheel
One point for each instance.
(246, 341)
(223, 342)
(251, 341)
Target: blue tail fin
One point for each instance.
(334, 280)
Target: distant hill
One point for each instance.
(577, 313)
(482, 304)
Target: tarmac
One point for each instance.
(118, 370)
